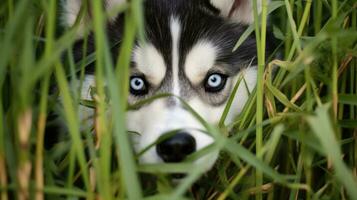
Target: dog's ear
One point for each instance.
(240, 11)
(81, 9)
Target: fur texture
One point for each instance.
(188, 46)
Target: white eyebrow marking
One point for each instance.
(150, 62)
(175, 29)
(200, 59)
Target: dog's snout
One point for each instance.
(177, 147)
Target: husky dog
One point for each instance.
(189, 53)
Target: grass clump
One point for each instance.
(295, 138)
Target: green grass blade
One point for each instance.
(322, 128)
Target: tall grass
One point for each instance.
(295, 138)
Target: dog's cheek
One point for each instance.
(209, 112)
(145, 126)
(245, 88)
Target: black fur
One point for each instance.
(199, 20)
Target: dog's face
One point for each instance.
(188, 53)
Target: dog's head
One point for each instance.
(188, 53)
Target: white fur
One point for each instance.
(175, 29)
(243, 14)
(223, 5)
(249, 81)
(88, 83)
(86, 114)
(156, 118)
(212, 114)
(199, 60)
(150, 62)
(153, 120)
(113, 3)
(70, 12)
(70, 9)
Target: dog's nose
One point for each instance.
(177, 147)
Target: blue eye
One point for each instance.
(215, 82)
(138, 86)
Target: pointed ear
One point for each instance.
(71, 9)
(240, 11)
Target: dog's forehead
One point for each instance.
(197, 23)
(194, 20)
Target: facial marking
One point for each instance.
(150, 62)
(212, 114)
(175, 29)
(199, 60)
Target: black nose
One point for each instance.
(176, 148)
